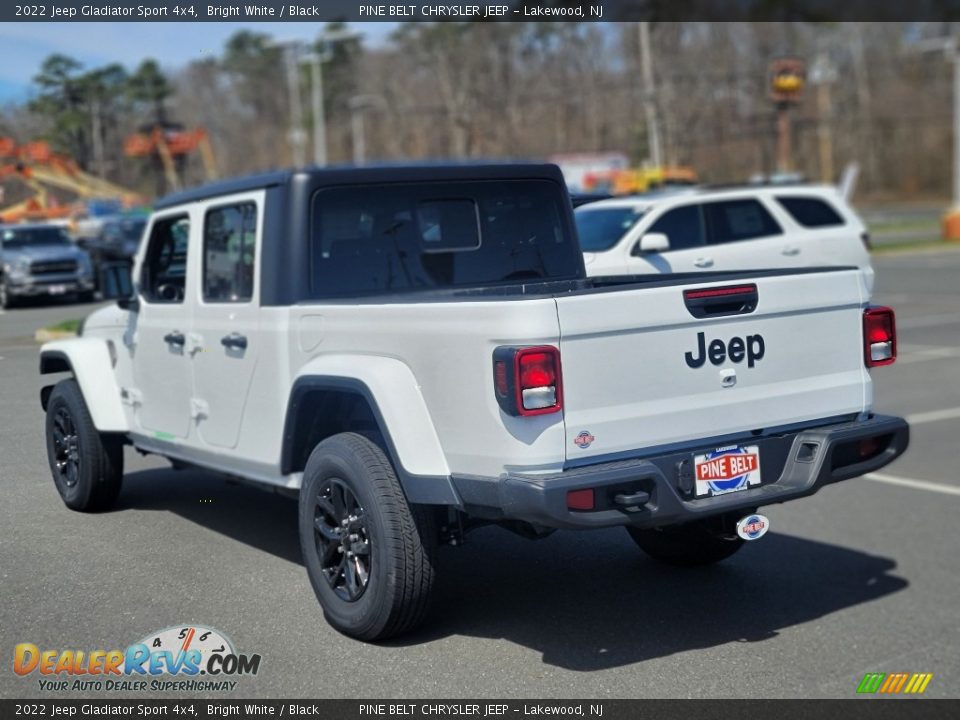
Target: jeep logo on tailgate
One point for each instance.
(751, 348)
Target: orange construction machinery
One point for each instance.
(170, 144)
(631, 182)
(41, 170)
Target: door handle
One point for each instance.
(790, 250)
(174, 338)
(703, 262)
(235, 341)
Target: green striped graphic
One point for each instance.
(871, 682)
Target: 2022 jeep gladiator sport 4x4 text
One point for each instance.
(418, 351)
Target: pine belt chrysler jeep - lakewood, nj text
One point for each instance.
(418, 351)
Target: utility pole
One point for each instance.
(298, 135)
(358, 105)
(649, 100)
(823, 75)
(317, 58)
(319, 116)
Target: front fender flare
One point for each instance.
(89, 361)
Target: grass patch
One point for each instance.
(65, 326)
(931, 244)
(907, 225)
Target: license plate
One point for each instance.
(56, 289)
(727, 469)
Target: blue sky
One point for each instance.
(23, 46)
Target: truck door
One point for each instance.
(161, 363)
(225, 335)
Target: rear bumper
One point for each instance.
(800, 463)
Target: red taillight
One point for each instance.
(537, 370)
(879, 336)
(538, 380)
(527, 381)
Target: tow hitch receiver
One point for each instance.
(753, 527)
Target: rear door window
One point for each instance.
(735, 220)
(683, 226)
(229, 246)
(811, 212)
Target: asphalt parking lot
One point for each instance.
(863, 577)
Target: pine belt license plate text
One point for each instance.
(727, 469)
(56, 289)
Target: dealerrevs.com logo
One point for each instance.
(189, 658)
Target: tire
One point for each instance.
(6, 301)
(375, 582)
(87, 467)
(85, 297)
(702, 542)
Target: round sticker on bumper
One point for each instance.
(753, 527)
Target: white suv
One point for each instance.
(737, 229)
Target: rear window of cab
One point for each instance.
(394, 238)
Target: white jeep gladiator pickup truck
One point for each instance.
(418, 351)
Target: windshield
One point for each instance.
(33, 236)
(600, 228)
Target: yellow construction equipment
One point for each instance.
(633, 181)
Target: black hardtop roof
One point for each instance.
(353, 175)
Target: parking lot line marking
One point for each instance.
(928, 321)
(930, 354)
(914, 484)
(933, 416)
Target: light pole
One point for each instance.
(358, 105)
(823, 74)
(298, 135)
(649, 101)
(317, 58)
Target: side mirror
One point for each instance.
(117, 282)
(131, 303)
(652, 243)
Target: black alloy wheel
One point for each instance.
(66, 448)
(343, 543)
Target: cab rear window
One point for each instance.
(811, 212)
(390, 238)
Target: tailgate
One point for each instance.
(640, 370)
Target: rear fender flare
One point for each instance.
(394, 398)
